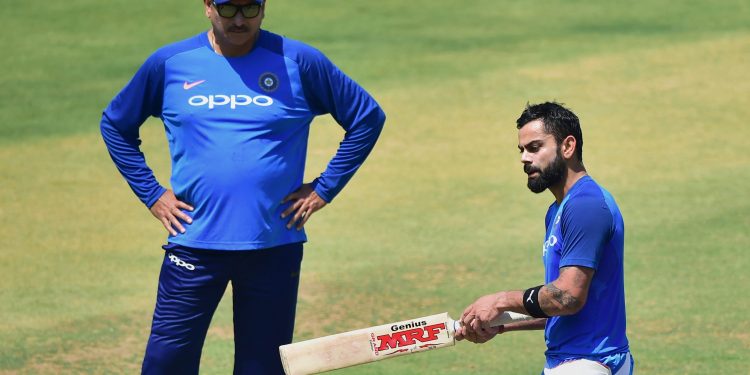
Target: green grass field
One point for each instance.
(439, 214)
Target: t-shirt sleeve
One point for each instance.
(586, 227)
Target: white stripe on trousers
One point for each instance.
(588, 367)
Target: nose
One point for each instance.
(526, 157)
(238, 18)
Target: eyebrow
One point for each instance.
(536, 142)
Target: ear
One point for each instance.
(207, 8)
(568, 148)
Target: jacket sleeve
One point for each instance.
(120, 124)
(328, 90)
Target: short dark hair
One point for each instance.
(557, 120)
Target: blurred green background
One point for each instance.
(438, 215)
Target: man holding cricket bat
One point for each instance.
(581, 306)
(236, 102)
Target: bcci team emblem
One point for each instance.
(268, 82)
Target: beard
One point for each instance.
(550, 176)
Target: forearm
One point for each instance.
(552, 300)
(555, 302)
(130, 161)
(353, 150)
(564, 296)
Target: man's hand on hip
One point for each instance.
(168, 210)
(306, 202)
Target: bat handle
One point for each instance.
(506, 317)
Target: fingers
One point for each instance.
(311, 205)
(470, 335)
(175, 222)
(468, 329)
(459, 335)
(293, 196)
(303, 213)
(486, 334)
(468, 315)
(306, 202)
(484, 318)
(171, 219)
(483, 310)
(476, 335)
(475, 323)
(168, 210)
(168, 226)
(184, 206)
(294, 207)
(171, 222)
(177, 213)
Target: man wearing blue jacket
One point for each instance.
(236, 102)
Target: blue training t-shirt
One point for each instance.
(587, 230)
(237, 129)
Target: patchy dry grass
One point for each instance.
(438, 215)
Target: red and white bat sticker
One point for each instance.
(413, 336)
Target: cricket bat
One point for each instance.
(376, 343)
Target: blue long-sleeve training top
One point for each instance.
(238, 129)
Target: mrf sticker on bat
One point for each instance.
(410, 337)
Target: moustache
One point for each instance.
(529, 169)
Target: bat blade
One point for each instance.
(367, 345)
(374, 343)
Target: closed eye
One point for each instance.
(532, 147)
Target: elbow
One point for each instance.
(103, 123)
(380, 118)
(564, 302)
(106, 126)
(572, 304)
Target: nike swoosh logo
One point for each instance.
(188, 86)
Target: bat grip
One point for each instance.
(506, 317)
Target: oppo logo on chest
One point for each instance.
(233, 101)
(551, 241)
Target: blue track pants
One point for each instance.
(191, 284)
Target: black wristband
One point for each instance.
(531, 302)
